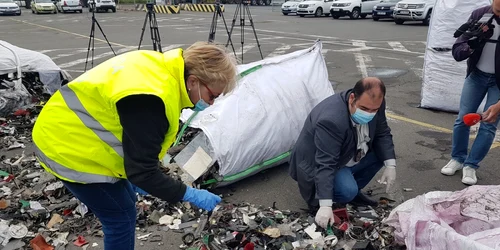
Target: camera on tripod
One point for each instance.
(150, 3)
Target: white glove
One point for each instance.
(324, 216)
(388, 177)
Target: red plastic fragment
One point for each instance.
(249, 246)
(20, 112)
(344, 226)
(39, 243)
(9, 178)
(80, 241)
(340, 216)
(67, 212)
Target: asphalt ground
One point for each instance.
(352, 49)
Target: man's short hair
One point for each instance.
(367, 84)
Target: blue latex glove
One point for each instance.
(201, 198)
(139, 190)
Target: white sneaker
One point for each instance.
(451, 167)
(469, 176)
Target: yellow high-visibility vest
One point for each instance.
(78, 134)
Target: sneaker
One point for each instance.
(469, 176)
(451, 167)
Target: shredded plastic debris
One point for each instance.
(37, 211)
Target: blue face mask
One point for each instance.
(362, 117)
(201, 104)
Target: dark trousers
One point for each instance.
(114, 205)
(347, 181)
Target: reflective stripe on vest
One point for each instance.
(70, 173)
(90, 122)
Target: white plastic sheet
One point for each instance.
(30, 61)
(263, 116)
(467, 219)
(443, 77)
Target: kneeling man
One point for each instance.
(344, 143)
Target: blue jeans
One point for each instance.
(349, 180)
(114, 205)
(476, 87)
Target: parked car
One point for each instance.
(290, 7)
(352, 8)
(384, 9)
(104, 5)
(8, 7)
(413, 10)
(68, 5)
(43, 6)
(314, 7)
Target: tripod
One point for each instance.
(92, 35)
(153, 27)
(241, 12)
(213, 27)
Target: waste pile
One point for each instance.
(32, 201)
(37, 211)
(247, 226)
(14, 97)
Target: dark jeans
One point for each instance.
(349, 180)
(476, 87)
(114, 205)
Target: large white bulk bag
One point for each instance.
(256, 126)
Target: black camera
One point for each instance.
(474, 28)
(474, 31)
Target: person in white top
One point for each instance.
(483, 61)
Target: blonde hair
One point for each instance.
(212, 64)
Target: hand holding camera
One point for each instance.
(477, 32)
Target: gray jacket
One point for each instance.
(328, 141)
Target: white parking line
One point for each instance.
(79, 61)
(190, 27)
(51, 50)
(398, 46)
(362, 62)
(69, 54)
(280, 50)
(359, 44)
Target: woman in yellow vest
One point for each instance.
(109, 127)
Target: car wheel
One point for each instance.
(319, 12)
(327, 14)
(114, 10)
(355, 13)
(375, 18)
(286, 14)
(399, 21)
(81, 11)
(18, 14)
(335, 17)
(427, 20)
(302, 15)
(364, 16)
